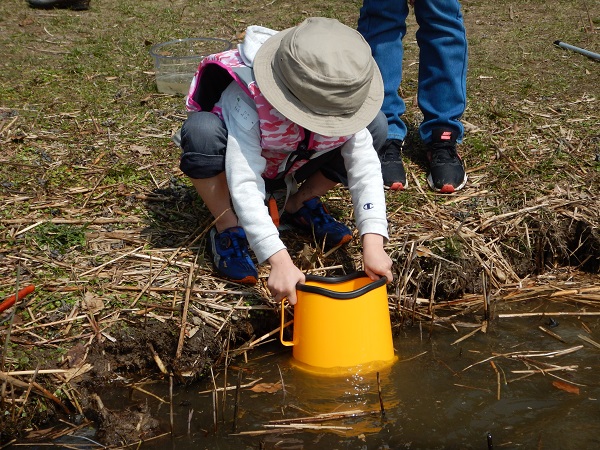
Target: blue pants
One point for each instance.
(442, 61)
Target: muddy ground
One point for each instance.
(97, 216)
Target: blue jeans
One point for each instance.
(442, 61)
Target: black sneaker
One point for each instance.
(75, 5)
(446, 168)
(392, 169)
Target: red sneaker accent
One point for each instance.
(249, 280)
(446, 136)
(397, 186)
(447, 189)
(344, 240)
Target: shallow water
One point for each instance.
(432, 398)
(438, 395)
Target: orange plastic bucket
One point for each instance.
(341, 322)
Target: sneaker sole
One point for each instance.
(447, 188)
(343, 241)
(249, 280)
(397, 186)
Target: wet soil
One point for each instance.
(146, 350)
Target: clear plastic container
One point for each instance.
(175, 62)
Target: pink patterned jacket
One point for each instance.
(279, 135)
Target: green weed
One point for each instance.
(59, 237)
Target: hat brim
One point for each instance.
(278, 95)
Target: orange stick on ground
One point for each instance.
(10, 300)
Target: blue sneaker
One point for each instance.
(230, 255)
(313, 217)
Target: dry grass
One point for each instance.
(96, 214)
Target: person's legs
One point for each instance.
(442, 66)
(317, 177)
(305, 210)
(331, 164)
(316, 185)
(379, 130)
(203, 144)
(383, 25)
(442, 89)
(203, 141)
(214, 192)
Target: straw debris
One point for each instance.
(97, 216)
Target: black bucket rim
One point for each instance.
(340, 279)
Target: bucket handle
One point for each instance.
(283, 325)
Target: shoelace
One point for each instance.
(392, 152)
(319, 215)
(234, 243)
(443, 152)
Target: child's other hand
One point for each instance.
(376, 261)
(283, 277)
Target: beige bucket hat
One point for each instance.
(320, 75)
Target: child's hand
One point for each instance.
(283, 277)
(376, 261)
